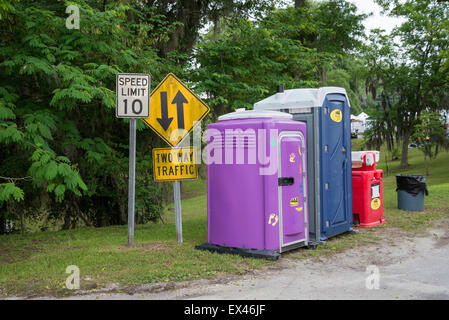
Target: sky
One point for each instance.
(377, 20)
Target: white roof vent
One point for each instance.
(251, 114)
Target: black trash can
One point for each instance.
(411, 190)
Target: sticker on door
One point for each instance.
(336, 115)
(294, 202)
(273, 219)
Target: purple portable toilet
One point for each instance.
(257, 184)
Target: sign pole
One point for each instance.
(174, 109)
(132, 180)
(132, 102)
(178, 219)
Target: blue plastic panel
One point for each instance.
(335, 166)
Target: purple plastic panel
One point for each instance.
(243, 202)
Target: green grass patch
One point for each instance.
(436, 204)
(35, 263)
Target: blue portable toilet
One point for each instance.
(326, 111)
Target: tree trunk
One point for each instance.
(322, 75)
(22, 224)
(80, 214)
(426, 164)
(404, 155)
(2, 223)
(67, 222)
(300, 3)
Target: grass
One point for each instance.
(35, 263)
(436, 203)
(399, 223)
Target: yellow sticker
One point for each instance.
(293, 202)
(274, 217)
(336, 115)
(375, 203)
(299, 209)
(292, 157)
(300, 151)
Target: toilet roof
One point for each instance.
(298, 98)
(250, 114)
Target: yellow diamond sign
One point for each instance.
(174, 110)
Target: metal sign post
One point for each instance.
(132, 102)
(178, 216)
(132, 180)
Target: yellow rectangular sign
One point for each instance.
(172, 164)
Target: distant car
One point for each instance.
(353, 135)
(413, 145)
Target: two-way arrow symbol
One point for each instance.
(179, 100)
(165, 120)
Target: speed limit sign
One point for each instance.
(133, 102)
(132, 94)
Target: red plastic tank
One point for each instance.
(367, 191)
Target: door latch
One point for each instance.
(286, 181)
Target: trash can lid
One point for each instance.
(417, 177)
(412, 183)
(251, 114)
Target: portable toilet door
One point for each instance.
(326, 111)
(292, 190)
(335, 166)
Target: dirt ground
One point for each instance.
(405, 267)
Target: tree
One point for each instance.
(421, 78)
(64, 155)
(186, 18)
(249, 63)
(430, 135)
(291, 46)
(381, 60)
